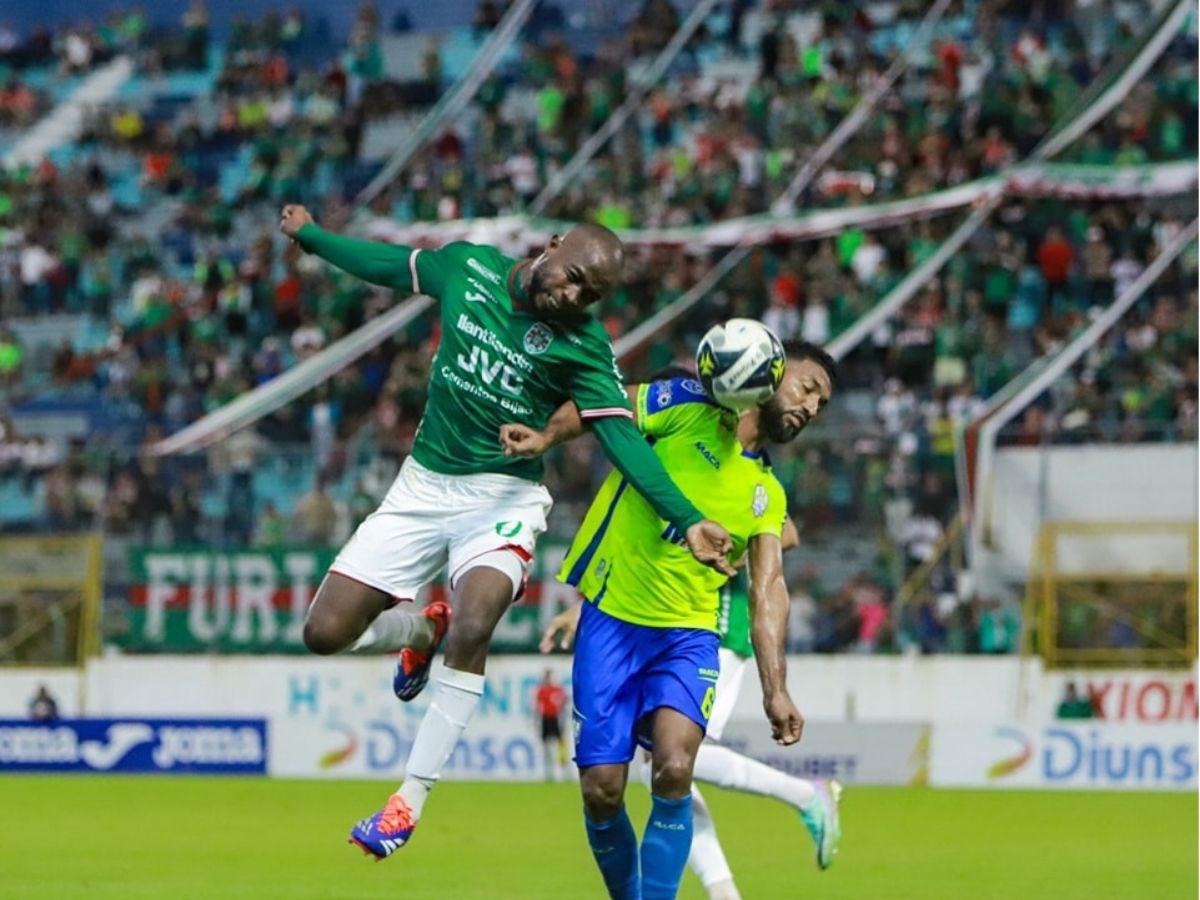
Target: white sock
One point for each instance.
(723, 767)
(706, 858)
(393, 630)
(455, 696)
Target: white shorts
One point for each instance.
(429, 522)
(729, 685)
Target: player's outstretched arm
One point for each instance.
(564, 425)
(768, 632)
(389, 265)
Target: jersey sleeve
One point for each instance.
(403, 268)
(774, 507)
(670, 405)
(596, 384)
(430, 269)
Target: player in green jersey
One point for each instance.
(646, 661)
(516, 343)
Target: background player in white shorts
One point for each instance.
(516, 343)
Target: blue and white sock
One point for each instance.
(614, 844)
(665, 847)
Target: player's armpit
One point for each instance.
(791, 535)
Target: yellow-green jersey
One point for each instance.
(633, 564)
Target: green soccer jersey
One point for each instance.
(496, 363)
(635, 566)
(733, 616)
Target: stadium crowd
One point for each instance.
(158, 330)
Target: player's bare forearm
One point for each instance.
(567, 424)
(373, 261)
(768, 612)
(564, 425)
(521, 440)
(768, 633)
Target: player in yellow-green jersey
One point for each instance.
(646, 662)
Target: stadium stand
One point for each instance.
(144, 283)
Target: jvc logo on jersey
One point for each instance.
(481, 364)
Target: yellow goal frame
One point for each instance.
(58, 562)
(1042, 596)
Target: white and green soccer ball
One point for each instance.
(740, 363)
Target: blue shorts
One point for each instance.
(624, 671)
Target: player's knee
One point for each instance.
(469, 637)
(321, 637)
(671, 775)
(602, 797)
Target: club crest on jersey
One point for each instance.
(759, 504)
(538, 338)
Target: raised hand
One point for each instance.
(293, 218)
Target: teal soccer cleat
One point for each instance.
(820, 817)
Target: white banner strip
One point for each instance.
(520, 232)
(268, 397)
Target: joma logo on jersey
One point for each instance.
(492, 371)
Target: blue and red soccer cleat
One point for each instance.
(385, 832)
(412, 666)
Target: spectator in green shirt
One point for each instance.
(1073, 706)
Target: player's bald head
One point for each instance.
(576, 270)
(600, 251)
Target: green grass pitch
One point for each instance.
(151, 837)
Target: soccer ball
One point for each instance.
(740, 363)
